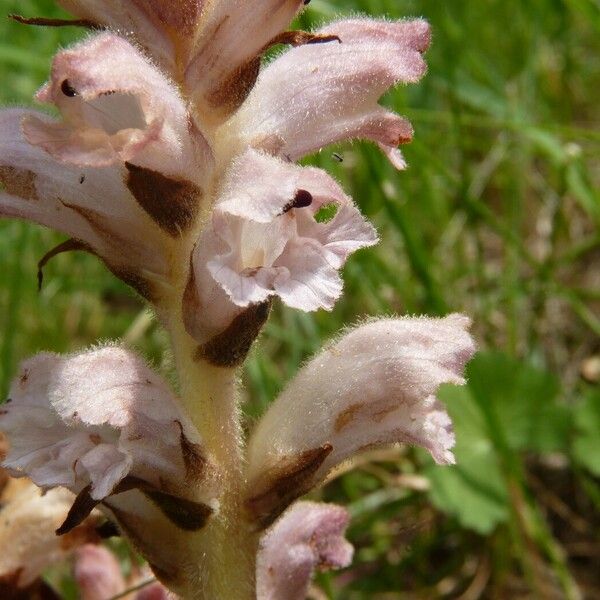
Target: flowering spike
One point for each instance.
(173, 162)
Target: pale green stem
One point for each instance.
(224, 551)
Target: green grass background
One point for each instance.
(497, 216)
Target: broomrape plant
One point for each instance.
(173, 161)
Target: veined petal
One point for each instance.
(92, 420)
(314, 95)
(375, 385)
(28, 523)
(92, 205)
(308, 537)
(117, 106)
(264, 241)
(227, 53)
(158, 26)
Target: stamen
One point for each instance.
(67, 89)
(302, 199)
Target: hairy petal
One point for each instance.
(91, 420)
(226, 57)
(117, 106)
(375, 385)
(264, 241)
(156, 25)
(314, 95)
(308, 537)
(28, 521)
(92, 205)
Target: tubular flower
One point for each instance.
(172, 161)
(308, 536)
(107, 428)
(375, 385)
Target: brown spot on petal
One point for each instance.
(292, 477)
(300, 38)
(235, 87)
(172, 203)
(346, 417)
(230, 347)
(19, 182)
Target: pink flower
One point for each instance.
(375, 385)
(263, 240)
(173, 161)
(105, 426)
(306, 537)
(98, 576)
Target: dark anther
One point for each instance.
(305, 2)
(302, 199)
(107, 530)
(81, 178)
(67, 89)
(337, 157)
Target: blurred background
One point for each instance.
(497, 216)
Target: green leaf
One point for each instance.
(586, 446)
(507, 407)
(473, 490)
(521, 402)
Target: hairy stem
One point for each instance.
(222, 564)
